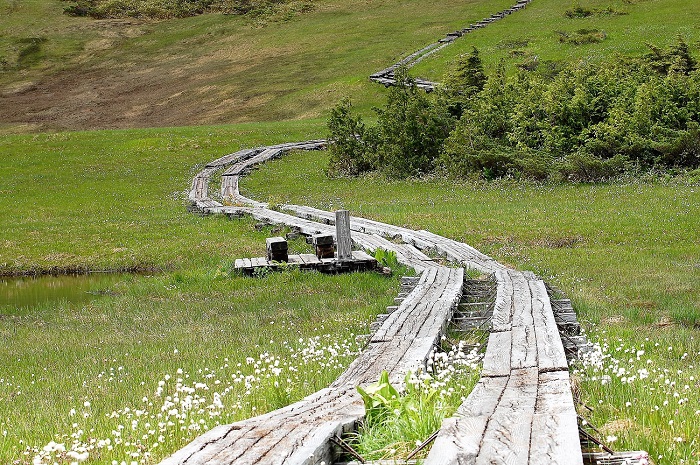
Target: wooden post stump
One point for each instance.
(323, 245)
(277, 249)
(342, 232)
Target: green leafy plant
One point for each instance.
(386, 258)
(380, 398)
(262, 272)
(396, 421)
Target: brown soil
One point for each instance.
(103, 89)
(97, 98)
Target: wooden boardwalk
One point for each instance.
(386, 76)
(521, 411)
(301, 432)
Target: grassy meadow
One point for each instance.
(164, 355)
(115, 200)
(207, 69)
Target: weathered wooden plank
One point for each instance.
(550, 351)
(507, 436)
(524, 347)
(393, 325)
(497, 357)
(309, 259)
(555, 429)
(460, 437)
(443, 307)
(260, 261)
(360, 255)
(342, 234)
(522, 301)
(206, 446)
(232, 158)
(316, 448)
(503, 305)
(229, 187)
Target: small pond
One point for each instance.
(32, 291)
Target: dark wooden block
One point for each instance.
(276, 244)
(323, 239)
(277, 249)
(323, 245)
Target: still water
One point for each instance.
(30, 292)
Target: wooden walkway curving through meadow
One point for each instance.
(386, 76)
(521, 411)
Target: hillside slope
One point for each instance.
(211, 68)
(59, 72)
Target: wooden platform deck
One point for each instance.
(521, 412)
(360, 261)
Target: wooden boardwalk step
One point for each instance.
(534, 419)
(300, 433)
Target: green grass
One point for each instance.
(116, 200)
(535, 32)
(643, 388)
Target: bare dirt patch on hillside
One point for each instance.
(105, 87)
(99, 98)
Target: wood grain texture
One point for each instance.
(342, 234)
(550, 351)
(502, 319)
(497, 358)
(507, 436)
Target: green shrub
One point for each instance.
(578, 12)
(405, 142)
(581, 122)
(466, 79)
(584, 123)
(584, 167)
(349, 148)
(582, 36)
(411, 130)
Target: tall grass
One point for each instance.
(254, 344)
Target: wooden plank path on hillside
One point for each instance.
(387, 75)
(521, 411)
